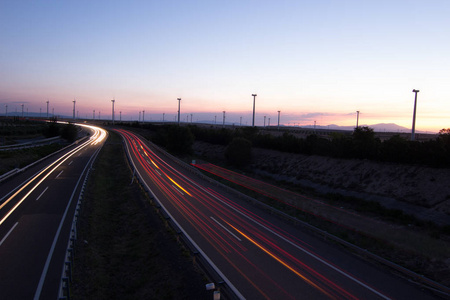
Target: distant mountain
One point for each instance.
(389, 127)
(380, 127)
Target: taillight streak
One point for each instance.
(214, 232)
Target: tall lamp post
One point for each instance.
(74, 101)
(278, 120)
(414, 115)
(223, 125)
(357, 118)
(113, 100)
(47, 109)
(179, 101)
(253, 122)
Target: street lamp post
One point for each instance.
(74, 101)
(414, 115)
(253, 122)
(113, 100)
(179, 101)
(357, 118)
(223, 125)
(279, 120)
(47, 109)
(143, 112)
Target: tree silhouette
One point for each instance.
(239, 152)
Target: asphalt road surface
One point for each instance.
(258, 255)
(36, 212)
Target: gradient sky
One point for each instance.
(312, 60)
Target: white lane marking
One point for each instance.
(59, 174)
(221, 225)
(41, 194)
(70, 162)
(57, 234)
(9, 232)
(177, 190)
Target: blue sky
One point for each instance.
(313, 60)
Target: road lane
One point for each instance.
(259, 255)
(34, 227)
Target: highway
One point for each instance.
(257, 255)
(36, 212)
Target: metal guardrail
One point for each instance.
(30, 144)
(17, 170)
(66, 275)
(9, 174)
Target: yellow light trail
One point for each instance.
(282, 262)
(154, 164)
(179, 186)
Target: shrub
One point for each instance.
(239, 152)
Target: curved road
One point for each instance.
(258, 255)
(36, 212)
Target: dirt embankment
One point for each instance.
(416, 185)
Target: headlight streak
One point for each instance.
(61, 160)
(220, 239)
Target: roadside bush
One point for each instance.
(51, 130)
(69, 132)
(239, 152)
(179, 140)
